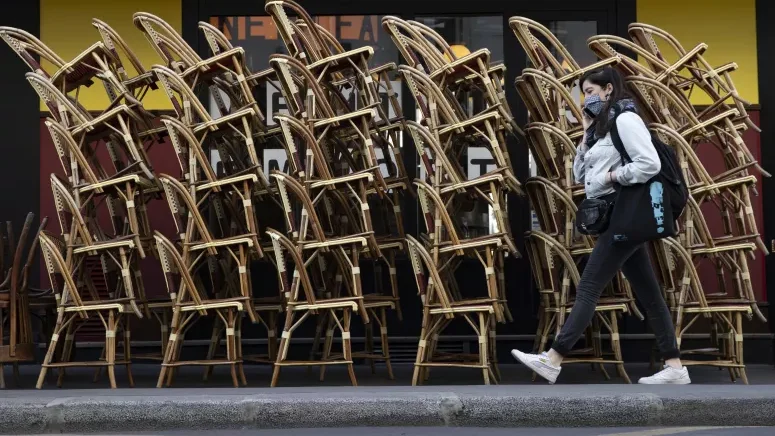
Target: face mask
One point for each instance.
(593, 105)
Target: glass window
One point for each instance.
(259, 37)
(465, 35)
(573, 36)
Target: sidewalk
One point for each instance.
(329, 404)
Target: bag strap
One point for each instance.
(616, 139)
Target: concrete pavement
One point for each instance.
(24, 412)
(308, 403)
(480, 431)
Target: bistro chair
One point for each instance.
(440, 307)
(15, 296)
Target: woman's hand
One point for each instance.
(585, 120)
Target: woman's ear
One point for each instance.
(609, 88)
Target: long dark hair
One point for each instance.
(602, 77)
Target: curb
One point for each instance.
(167, 409)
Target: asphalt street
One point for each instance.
(450, 431)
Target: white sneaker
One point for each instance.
(668, 376)
(539, 363)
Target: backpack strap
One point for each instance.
(616, 139)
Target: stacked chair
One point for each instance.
(438, 81)
(17, 296)
(339, 210)
(556, 252)
(662, 84)
(94, 262)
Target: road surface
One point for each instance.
(446, 431)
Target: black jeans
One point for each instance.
(603, 264)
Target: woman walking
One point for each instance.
(599, 166)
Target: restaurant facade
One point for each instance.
(739, 32)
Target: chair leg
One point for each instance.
(483, 352)
(66, 352)
(328, 344)
(616, 345)
(110, 346)
(272, 336)
(169, 349)
(347, 344)
(739, 346)
(98, 370)
(231, 346)
(385, 343)
(128, 351)
(177, 352)
(420, 354)
(215, 339)
(285, 342)
(597, 344)
(238, 348)
(52, 346)
(369, 329)
(492, 347)
(322, 318)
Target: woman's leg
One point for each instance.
(603, 264)
(640, 274)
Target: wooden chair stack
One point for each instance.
(557, 252)
(341, 207)
(93, 263)
(446, 133)
(16, 295)
(207, 267)
(662, 86)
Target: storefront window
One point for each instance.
(573, 35)
(260, 39)
(465, 35)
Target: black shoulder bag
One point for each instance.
(648, 211)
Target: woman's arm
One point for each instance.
(578, 162)
(637, 142)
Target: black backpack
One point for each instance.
(648, 211)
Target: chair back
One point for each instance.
(186, 103)
(28, 48)
(62, 108)
(531, 36)
(307, 47)
(167, 42)
(303, 94)
(120, 51)
(177, 276)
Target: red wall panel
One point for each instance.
(162, 159)
(713, 161)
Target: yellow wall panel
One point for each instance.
(65, 26)
(728, 27)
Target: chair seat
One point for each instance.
(338, 62)
(99, 125)
(333, 303)
(489, 308)
(216, 123)
(81, 69)
(224, 303)
(120, 242)
(207, 65)
(237, 240)
(462, 67)
(146, 79)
